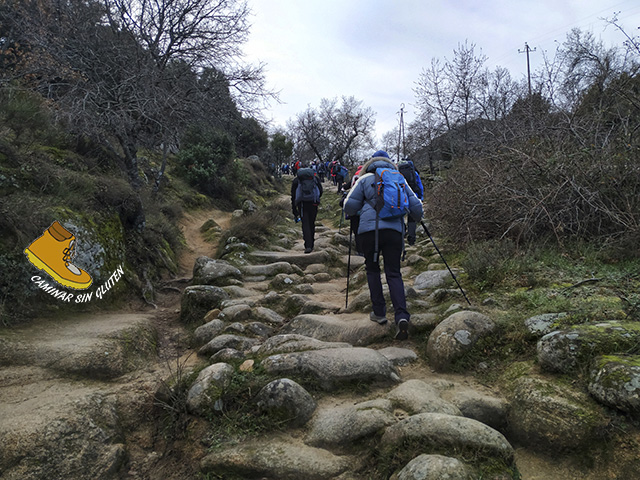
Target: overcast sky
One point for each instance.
(375, 50)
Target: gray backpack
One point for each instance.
(307, 190)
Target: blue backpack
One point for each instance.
(344, 173)
(392, 200)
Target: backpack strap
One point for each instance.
(404, 251)
(376, 249)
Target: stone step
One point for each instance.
(354, 328)
(300, 259)
(276, 459)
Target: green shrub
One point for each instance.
(258, 228)
(487, 263)
(23, 112)
(239, 419)
(205, 160)
(199, 165)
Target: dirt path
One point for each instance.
(530, 465)
(196, 244)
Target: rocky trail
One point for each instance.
(87, 396)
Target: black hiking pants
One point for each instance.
(411, 231)
(308, 213)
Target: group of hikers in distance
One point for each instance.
(375, 201)
(334, 171)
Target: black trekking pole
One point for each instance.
(342, 217)
(346, 299)
(445, 262)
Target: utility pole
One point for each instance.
(526, 50)
(401, 133)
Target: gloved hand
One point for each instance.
(297, 219)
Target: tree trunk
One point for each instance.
(165, 150)
(131, 162)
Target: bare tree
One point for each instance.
(449, 89)
(335, 130)
(422, 133)
(496, 94)
(204, 34)
(435, 95)
(465, 73)
(390, 141)
(199, 32)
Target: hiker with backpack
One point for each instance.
(306, 191)
(411, 175)
(342, 176)
(333, 170)
(322, 170)
(354, 220)
(381, 198)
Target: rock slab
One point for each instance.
(456, 335)
(276, 459)
(334, 366)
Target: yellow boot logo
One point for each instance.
(52, 253)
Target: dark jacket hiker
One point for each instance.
(410, 173)
(306, 190)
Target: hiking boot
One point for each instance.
(52, 252)
(377, 318)
(402, 332)
(308, 250)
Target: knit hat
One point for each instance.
(380, 153)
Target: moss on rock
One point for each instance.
(549, 415)
(615, 381)
(566, 350)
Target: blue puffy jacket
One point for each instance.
(362, 195)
